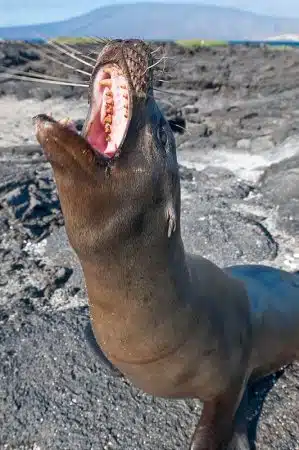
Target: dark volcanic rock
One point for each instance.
(280, 182)
(54, 394)
(57, 396)
(211, 224)
(31, 203)
(16, 55)
(280, 186)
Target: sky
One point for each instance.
(23, 12)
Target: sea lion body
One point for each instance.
(174, 324)
(274, 309)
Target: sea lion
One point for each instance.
(174, 324)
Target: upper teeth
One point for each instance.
(110, 104)
(107, 82)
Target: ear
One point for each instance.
(171, 219)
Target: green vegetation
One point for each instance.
(189, 43)
(74, 40)
(196, 43)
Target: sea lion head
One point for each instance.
(118, 180)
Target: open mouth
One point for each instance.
(107, 123)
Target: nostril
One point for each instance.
(42, 117)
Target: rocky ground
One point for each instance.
(239, 161)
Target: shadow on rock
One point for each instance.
(257, 394)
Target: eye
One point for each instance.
(162, 135)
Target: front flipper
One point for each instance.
(108, 366)
(222, 425)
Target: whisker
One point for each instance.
(65, 52)
(168, 92)
(62, 50)
(93, 52)
(155, 64)
(164, 57)
(164, 66)
(101, 40)
(169, 57)
(37, 75)
(156, 50)
(69, 66)
(88, 57)
(175, 124)
(37, 80)
(75, 51)
(174, 64)
(182, 128)
(52, 58)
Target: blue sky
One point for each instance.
(17, 12)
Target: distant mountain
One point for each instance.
(163, 22)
